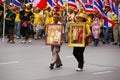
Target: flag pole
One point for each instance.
(67, 11)
(66, 28)
(4, 22)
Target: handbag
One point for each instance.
(24, 24)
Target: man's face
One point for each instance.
(55, 19)
(0, 13)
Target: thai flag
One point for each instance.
(101, 3)
(82, 3)
(89, 1)
(51, 3)
(106, 23)
(60, 3)
(30, 1)
(72, 3)
(87, 5)
(15, 3)
(113, 7)
(107, 20)
(117, 1)
(40, 3)
(119, 13)
(2, 0)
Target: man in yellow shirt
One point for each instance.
(49, 16)
(37, 22)
(116, 29)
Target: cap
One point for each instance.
(27, 4)
(26, 10)
(64, 5)
(83, 15)
(57, 15)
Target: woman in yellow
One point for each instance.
(78, 52)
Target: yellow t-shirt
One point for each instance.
(37, 18)
(49, 18)
(87, 28)
(89, 20)
(71, 17)
(114, 18)
(17, 19)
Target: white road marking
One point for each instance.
(45, 47)
(12, 62)
(103, 72)
(69, 56)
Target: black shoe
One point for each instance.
(58, 66)
(51, 66)
(103, 42)
(95, 44)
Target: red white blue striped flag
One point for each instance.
(87, 5)
(60, 3)
(51, 3)
(113, 6)
(107, 20)
(40, 3)
(15, 3)
(2, 0)
(30, 1)
(72, 3)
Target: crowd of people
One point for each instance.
(30, 23)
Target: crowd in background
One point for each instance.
(30, 23)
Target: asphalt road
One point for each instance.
(30, 61)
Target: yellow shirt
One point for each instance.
(87, 28)
(49, 18)
(89, 20)
(37, 18)
(101, 22)
(17, 19)
(71, 17)
(114, 18)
